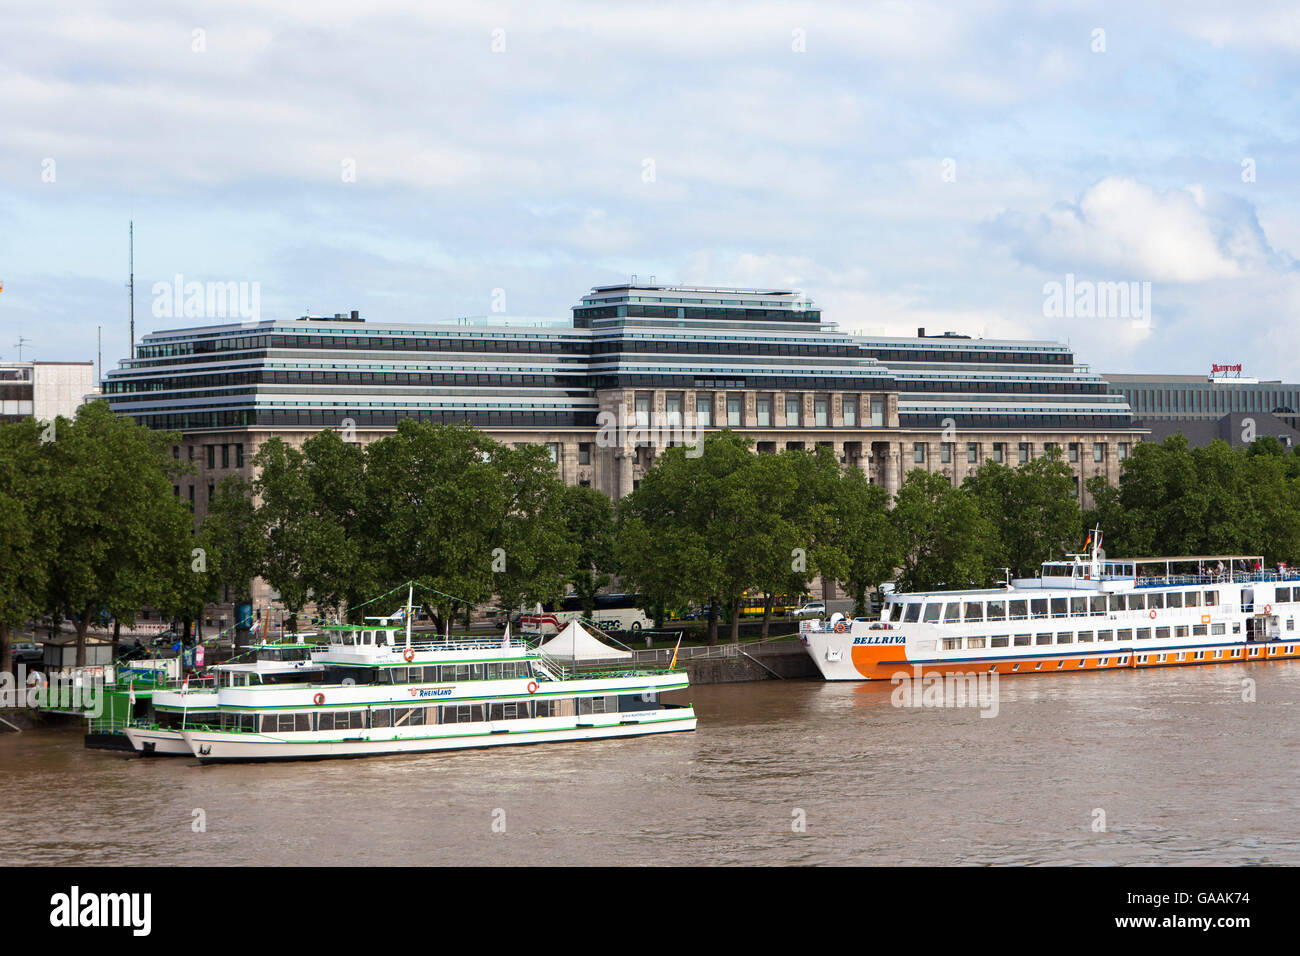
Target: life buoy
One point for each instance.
(408, 655)
(532, 687)
(1152, 615)
(1268, 609)
(841, 627)
(318, 699)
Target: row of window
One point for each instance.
(950, 612)
(1024, 451)
(431, 715)
(852, 413)
(1085, 637)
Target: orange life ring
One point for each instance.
(1152, 615)
(318, 699)
(532, 687)
(841, 627)
(1268, 609)
(408, 655)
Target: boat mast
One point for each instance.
(410, 591)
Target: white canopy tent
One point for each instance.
(575, 643)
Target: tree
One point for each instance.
(1032, 509)
(865, 538)
(589, 526)
(25, 533)
(122, 536)
(536, 556)
(945, 538)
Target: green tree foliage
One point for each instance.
(1173, 499)
(589, 525)
(26, 537)
(865, 537)
(122, 538)
(946, 541)
(1031, 509)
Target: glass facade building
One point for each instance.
(640, 367)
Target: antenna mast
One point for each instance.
(131, 285)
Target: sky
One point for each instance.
(961, 167)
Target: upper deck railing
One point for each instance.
(1226, 577)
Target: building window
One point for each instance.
(850, 411)
(877, 412)
(999, 452)
(792, 403)
(584, 453)
(553, 450)
(764, 403)
(1123, 450)
(212, 455)
(918, 452)
(945, 452)
(1099, 451)
(673, 407)
(733, 411)
(225, 456)
(190, 449)
(821, 416)
(642, 405)
(176, 452)
(704, 409)
(1024, 451)
(972, 452)
(1074, 451)
(239, 456)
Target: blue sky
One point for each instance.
(907, 164)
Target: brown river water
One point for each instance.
(1184, 770)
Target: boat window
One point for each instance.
(1059, 606)
(1104, 635)
(913, 613)
(1199, 630)
(952, 612)
(1180, 630)
(1144, 633)
(1174, 599)
(1019, 610)
(1116, 602)
(381, 638)
(1098, 604)
(1000, 641)
(975, 610)
(1022, 640)
(1085, 637)
(1065, 637)
(1192, 599)
(1162, 632)
(952, 643)
(1043, 639)
(349, 638)
(997, 611)
(1155, 601)
(1038, 606)
(1136, 602)
(1211, 598)
(932, 613)
(1078, 605)
(975, 643)
(1216, 628)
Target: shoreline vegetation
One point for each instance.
(92, 525)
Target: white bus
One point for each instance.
(614, 612)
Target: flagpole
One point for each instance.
(410, 591)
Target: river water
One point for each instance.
(782, 772)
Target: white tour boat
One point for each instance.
(383, 693)
(195, 702)
(1088, 613)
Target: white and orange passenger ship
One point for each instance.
(1087, 613)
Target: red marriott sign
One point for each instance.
(1215, 369)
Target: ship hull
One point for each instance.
(220, 747)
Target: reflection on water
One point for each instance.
(1184, 770)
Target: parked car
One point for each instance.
(811, 609)
(26, 652)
